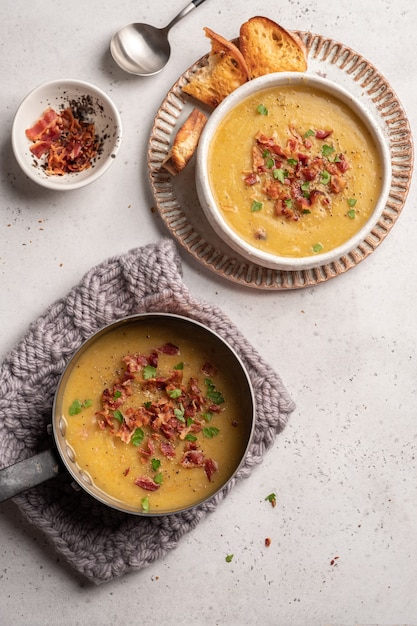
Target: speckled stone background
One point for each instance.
(343, 545)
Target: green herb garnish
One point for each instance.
(156, 464)
(229, 558)
(158, 479)
(352, 201)
(262, 110)
(77, 406)
(280, 174)
(145, 504)
(272, 498)
(118, 415)
(210, 432)
(305, 188)
(149, 372)
(174, 393)
(137, 437)
(351, 214)
(190, 437)
(212, 393)
(325, 177)
(318, 247)
(256, 206)
(179, 366)
(309, 133)
(179, 413)
(327, 150)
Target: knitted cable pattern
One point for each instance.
(98, 542)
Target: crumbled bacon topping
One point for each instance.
(300, 177)
(170, 413)
(68, 142)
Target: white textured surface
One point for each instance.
(344, 470)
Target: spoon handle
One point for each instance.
(192, 5)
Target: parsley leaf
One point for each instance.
(137, 437)
(212, 393)
(256, 206)
(327, 150)
(149, 372)
(77, 406)
(118, 415)
(210, 431)
(262, 110)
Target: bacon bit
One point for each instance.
(135, 363)
(69, 144)
(167, 449)
(323, 134)
(260, 233)
(192, 458)
(209, 369)
(268, 542)
(210, 467)
(250, 179)
(146, 483)
(149, 449)
(337, 183)
(43, 125)
(169, 348)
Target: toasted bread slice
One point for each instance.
(267, 48)
(226, 70)
(185, 142)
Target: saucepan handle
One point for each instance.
(28, 473)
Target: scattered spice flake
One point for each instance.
(272, 498)
(268, 542)
(229, 558)
(333, 561)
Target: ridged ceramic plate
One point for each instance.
(176, 196)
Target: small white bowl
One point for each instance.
(58, 94)
(213, 211)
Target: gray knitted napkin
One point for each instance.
(98, 542)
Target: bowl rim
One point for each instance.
(93, 173)
(213, 213)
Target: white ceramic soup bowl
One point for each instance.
(98, 108)
(216, 216)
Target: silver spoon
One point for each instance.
(142, 49)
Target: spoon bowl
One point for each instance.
(142, 49)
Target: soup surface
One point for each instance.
(294, 171)
(155, 420)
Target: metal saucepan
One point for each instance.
(30, 472)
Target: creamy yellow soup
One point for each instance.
(117, 467)
(296, 119)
